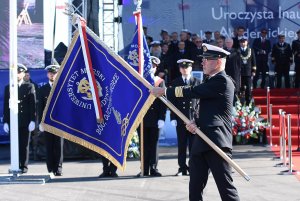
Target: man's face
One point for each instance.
(229, 44)
(263, 33)
(181, 45)
(183, 36)
(174, 36)
(281, 39)
(217, 35)
(244, 43)
(51, 76)
(209, 65)
(208, 36)
(240, 32)
(27, 77)
(185, 71)
(20, 75)
(220, 43)
(198, 42)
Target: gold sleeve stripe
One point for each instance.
(178, 92)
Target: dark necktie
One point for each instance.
(185, 81)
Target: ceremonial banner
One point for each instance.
(124, 101)
(133, 57)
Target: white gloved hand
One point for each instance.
(31, 126)
(160, 123)
(41, 127)
(6, 127)
(174, 123)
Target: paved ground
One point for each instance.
(80, 181)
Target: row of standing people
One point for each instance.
(170, 49)
(28, 111)
(33, 100)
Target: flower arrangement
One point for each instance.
(133, 149)
(246, 122)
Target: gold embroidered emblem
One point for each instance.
(124, 125)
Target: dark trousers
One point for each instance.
(201, 165)
(54, 152)
(262, 69)
(150, 148)
(23, 147)
(108, 167)
(184, 140)
(297, 76)
(283, 70)
(246, 87)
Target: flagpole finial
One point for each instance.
(138, 4)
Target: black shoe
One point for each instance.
(181, 173)
(113, 174)
(155, 173)
(104, 174)
(24, 170)
(58, 174)
(139, 175)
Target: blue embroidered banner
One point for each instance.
(124, 100)
(133, 57)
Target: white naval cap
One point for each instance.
(156, 42)
(155, 60)
(211, 51)
(21, 67)
(185, 63)
(52, 68)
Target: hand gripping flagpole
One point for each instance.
(88, 65)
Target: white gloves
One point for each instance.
(6, 127)
(41, 128)
(174, 123)
(31, 126)
(160, 123)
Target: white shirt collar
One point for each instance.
(51, 83)
(187, 77)
(21, 82)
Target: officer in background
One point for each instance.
(296, 53)
(248, 68)
(26, 115)
(240, 31)
(208, 35)
(189, 107)
(152, 122)
(233, 66)
(262, 48)
(216, 104)
(54, 143)
(282, 58)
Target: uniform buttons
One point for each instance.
(183, 107)
(183, 102)
(191, 102)
(21, 111)
(191, 107)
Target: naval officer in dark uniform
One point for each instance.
(248, 68)
(216, 104)
(54, 144)
(262, 48)
(26, 115)
(282, 58)
(153, 121)
(189, 107)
